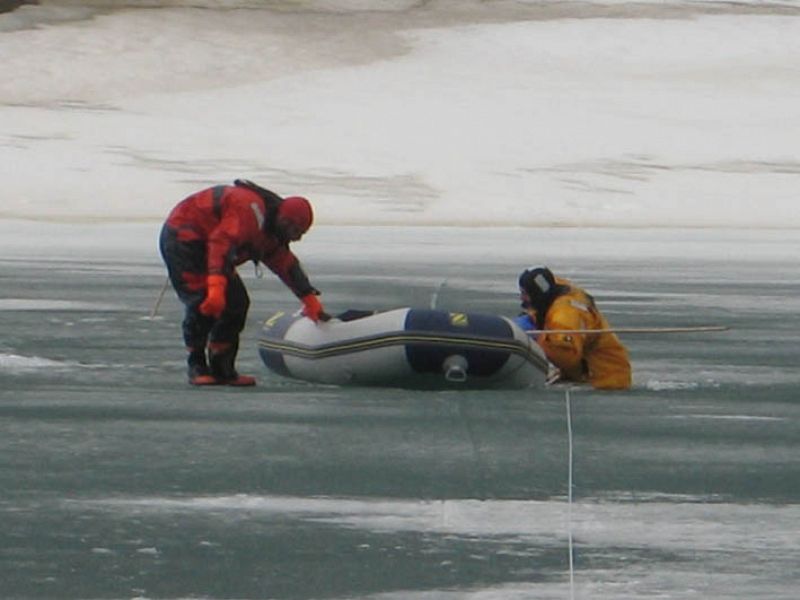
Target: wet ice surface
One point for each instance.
(119, 480)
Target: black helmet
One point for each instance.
(538, 282)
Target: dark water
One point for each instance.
(117, 480)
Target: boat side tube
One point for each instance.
(411, 348)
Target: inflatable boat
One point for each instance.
(406, 348)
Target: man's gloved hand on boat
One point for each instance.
(313, 309)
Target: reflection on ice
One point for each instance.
(11, 364)
(17, 364)
(660, 386)
(675, 374)
(27, 304)
(729, 417)
(666, 523)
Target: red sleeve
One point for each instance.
(285, 265)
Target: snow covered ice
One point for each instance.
(529, 113)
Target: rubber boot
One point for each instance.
(199, 373)
(222, 357)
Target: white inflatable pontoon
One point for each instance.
(406, 348)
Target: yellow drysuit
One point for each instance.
(599, 358)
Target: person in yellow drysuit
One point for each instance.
(554, 303)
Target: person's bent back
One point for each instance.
(554, 304)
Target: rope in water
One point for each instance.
(701, 329)
(569, 497)
(436, 292)
(156, 306)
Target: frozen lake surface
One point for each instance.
(118, 480)
(646, 150)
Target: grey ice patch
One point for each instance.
(18, 364)
(397, 193)
(640, 168)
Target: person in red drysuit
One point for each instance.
(204, 239)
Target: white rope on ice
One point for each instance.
(160, 297)
(436, 292)
(569, 497)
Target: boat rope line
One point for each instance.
(569, 497)
(400, 338)
(700, 329)
(436, 292)
(159, 299)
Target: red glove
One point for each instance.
(312, 308)
(214, 303)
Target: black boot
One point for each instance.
(198, 371)
(222, 357)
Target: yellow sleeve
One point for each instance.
(564, 350)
